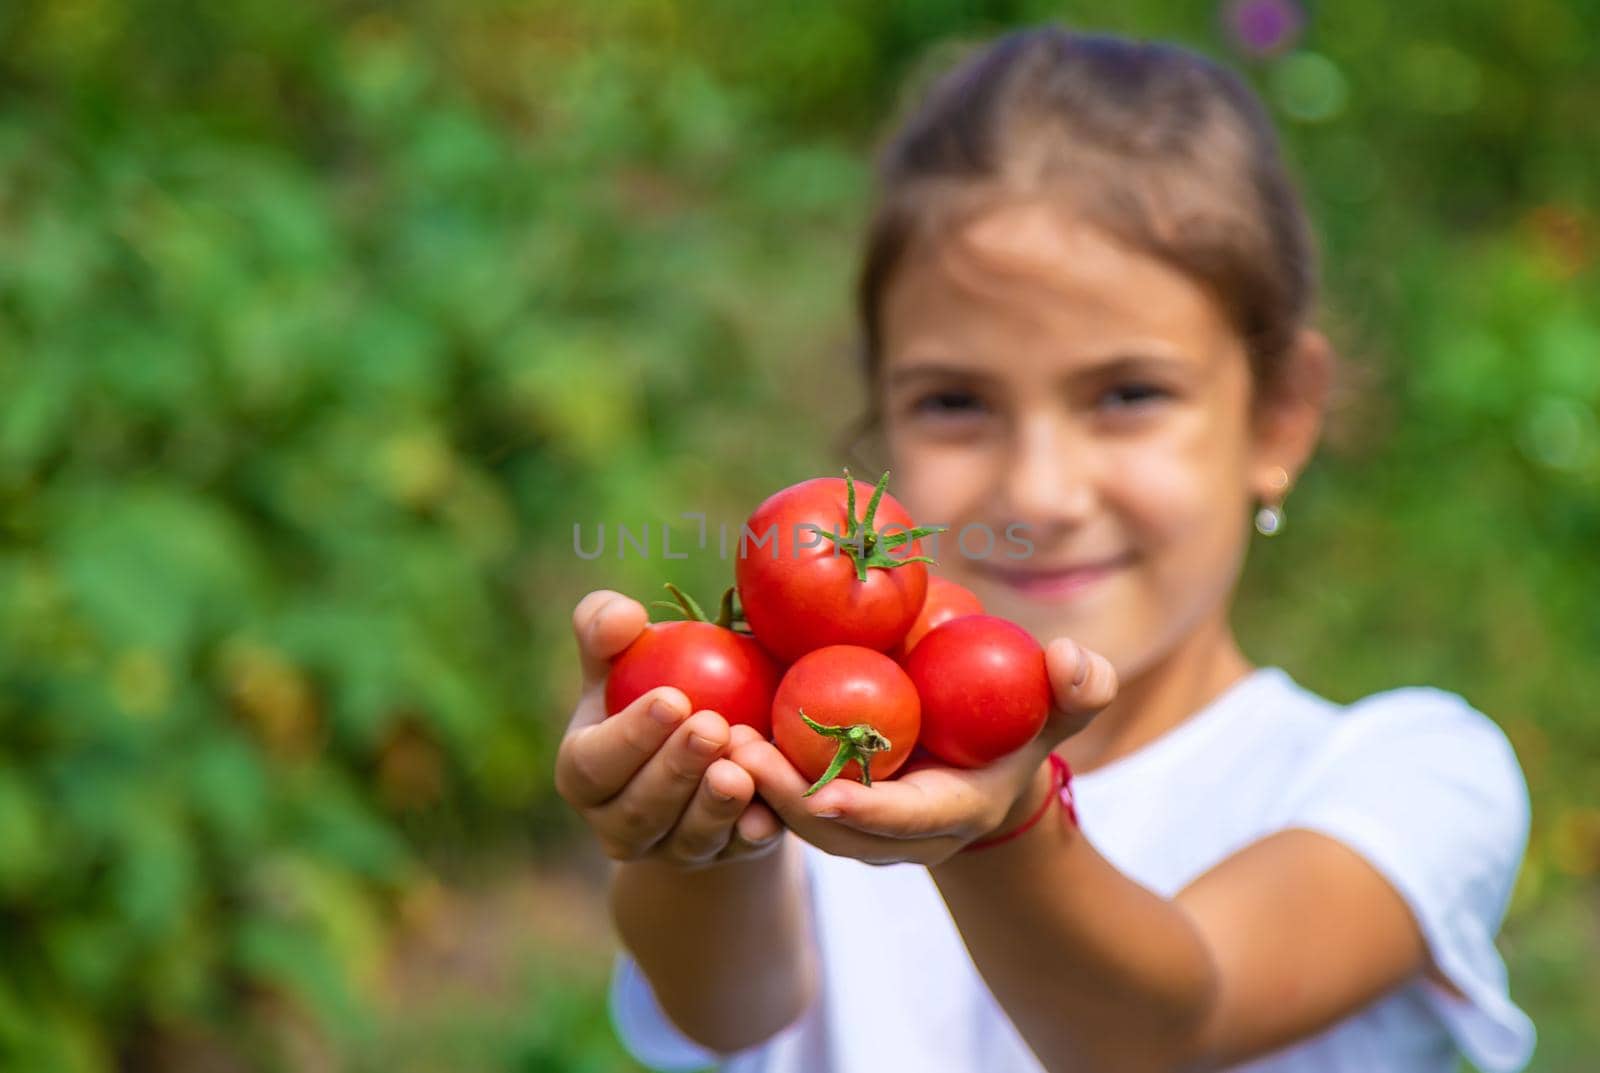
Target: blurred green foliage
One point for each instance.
(320, 326)
(571, 1034)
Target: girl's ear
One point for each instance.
(1288, 415)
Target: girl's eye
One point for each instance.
(1132, 396)
(952, 403)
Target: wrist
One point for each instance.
(1058, 791)
(1024, 812)
(1034, 797)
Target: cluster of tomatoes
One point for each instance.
(854, 655)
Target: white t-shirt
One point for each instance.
(1426, 788)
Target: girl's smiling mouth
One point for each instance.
(1041, 582)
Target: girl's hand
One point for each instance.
(654, 781)
(929, 812)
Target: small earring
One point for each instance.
(1269, 519)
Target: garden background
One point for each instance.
(322, 324)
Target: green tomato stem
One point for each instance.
(864, 544)
(857, 742)
(693, 612)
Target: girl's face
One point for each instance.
(1041, 378)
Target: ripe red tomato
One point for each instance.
(945, 600)
(717, 669)
(863, 702)
(863, 588)
(984, 687)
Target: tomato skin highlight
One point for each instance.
(945, 601)
(717, 669)
(805, 595)
(984, 686)
(842, 685)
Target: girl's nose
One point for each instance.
(1049, 481)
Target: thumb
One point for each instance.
(604, 623)
(1082, 681)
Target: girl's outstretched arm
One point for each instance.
(1096, 971)
(727, 949)
(708, 895)
(1275, 943)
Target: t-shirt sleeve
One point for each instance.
(1429, 791)
(644, 1028)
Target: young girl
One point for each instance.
(1086, 305)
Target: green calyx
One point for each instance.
(856, 742)
(727, 618)
(864, 544)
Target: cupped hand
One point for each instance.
(931, 811)
(654, 781)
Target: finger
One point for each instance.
(778, 783)
(780, 786)
(594, 762)
(1082, 681)
(605, 623)
(654, 800)
(708, 822)
(758, 826)
(930, 803)
(902, 812)
(741, 734)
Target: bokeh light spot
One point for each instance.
(1561, 434)
(1309, 87)
(1264, 27)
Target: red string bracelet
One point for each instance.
(1060, 790)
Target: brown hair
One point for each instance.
(1159, 146)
